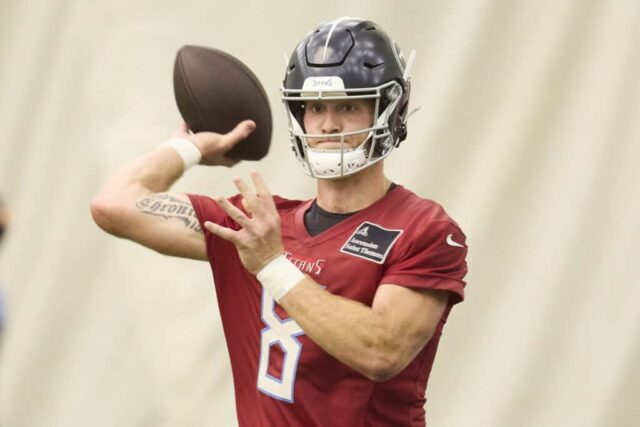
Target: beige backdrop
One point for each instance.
(528, 134)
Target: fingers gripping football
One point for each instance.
(259, 240)
(215, 146)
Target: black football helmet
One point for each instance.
(347, 58)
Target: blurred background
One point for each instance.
(529, 135)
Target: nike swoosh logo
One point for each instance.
(451, 242)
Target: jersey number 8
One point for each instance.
(283, 333)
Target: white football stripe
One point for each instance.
(333, 27)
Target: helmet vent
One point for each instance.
(371, 66)
(370, 29)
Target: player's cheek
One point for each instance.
(312, 124)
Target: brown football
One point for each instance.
(215, 91)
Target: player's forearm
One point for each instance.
(353, 333)
(153, 172)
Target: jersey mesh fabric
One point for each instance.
(324, 391)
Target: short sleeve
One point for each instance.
(206, 209)
(430, 257)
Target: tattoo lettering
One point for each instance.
(168, 207)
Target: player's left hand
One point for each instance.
(259, 241)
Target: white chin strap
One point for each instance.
(335, 163)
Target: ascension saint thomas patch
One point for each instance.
(371, 242)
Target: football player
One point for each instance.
(332, 308)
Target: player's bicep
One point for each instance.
(167, 223)
(414, 314)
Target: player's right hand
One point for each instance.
(214, 146)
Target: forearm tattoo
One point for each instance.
(167, 206)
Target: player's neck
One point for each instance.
(355, 192)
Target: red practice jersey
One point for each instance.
(283, 378)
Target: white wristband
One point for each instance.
(187, 150)
(279, 277)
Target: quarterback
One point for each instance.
(332, 308)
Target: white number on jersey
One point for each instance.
(283, 333)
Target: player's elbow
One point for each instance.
(105, 212)
(384, 366)
(393, 355)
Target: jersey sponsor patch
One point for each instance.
(371, 242)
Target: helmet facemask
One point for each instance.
(340, 162)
